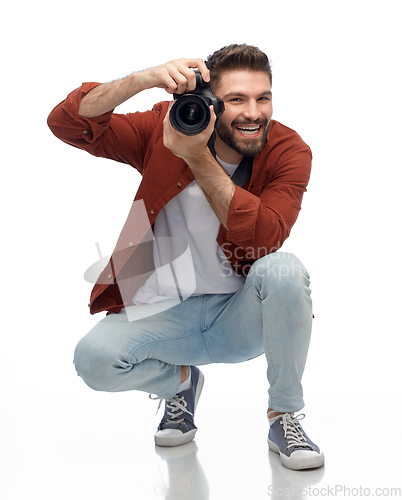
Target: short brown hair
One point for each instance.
(235, 57)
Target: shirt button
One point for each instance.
(85, 132)
(109, 276)
(152, 212)
(131, 244)
(179, 184)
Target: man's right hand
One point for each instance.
(176, 76)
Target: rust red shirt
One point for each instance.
(261, 214)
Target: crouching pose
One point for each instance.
(196, 276)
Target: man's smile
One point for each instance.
(249, 130)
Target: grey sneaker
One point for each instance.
(177, 425)
(287, 437)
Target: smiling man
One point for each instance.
(245, 298)
(243, 129)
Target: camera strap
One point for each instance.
(243, 171)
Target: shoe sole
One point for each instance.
(298, 464)
(190, 435)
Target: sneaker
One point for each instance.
(177, 425)
(287, 437)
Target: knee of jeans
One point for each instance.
(95, 365)
(280, 271)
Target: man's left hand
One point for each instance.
(187, 147)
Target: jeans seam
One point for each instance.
(270, 360)
(208, 347)
(244, 292)
(204, 329)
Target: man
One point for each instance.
(239, 297)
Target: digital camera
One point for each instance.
(190, 113)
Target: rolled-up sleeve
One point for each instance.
(120, 137)
(66, 124)
(260, 219)
(243, 215)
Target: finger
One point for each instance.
(180, 76)
(211, 125)
(213, 117)
(182, 83)
(184, 77)
(187, 67)
(200, 65)
(168, 83)
(190, 78)
(204, 71)
(171, 78)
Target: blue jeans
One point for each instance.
(271, 314)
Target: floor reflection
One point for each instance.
(181, 476)
(185, 478)
(286, 483)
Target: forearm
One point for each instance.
(175, 76)
(108, 96)
(215, 184)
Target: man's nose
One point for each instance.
(252, 112)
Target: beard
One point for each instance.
(244, 146)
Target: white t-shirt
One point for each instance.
(188, 259)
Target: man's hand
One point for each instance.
(176, 76)
(210, 176)
(187, 147)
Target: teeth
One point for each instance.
(249, 130)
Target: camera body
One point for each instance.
(190, 113)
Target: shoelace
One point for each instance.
(175, 408)
(292, 430)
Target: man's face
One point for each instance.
(242, 129)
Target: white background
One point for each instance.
(337, 82)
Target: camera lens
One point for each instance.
(190, 114)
